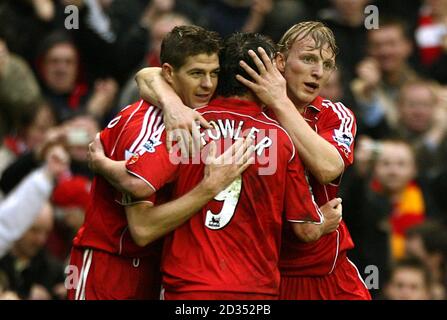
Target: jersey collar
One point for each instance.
(316, 103)
(237, 105)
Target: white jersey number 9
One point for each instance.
(230, 198)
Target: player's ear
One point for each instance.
(168, 72)
(280, 61)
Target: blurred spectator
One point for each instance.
(438, 187)
(401, 9)
(431, 34)
(346, 19)
(79, 132)
(409, 280)
(76, 134)
(19, 209)
(18, 88)
(31, 272)
(23, 23)
(386, 204)
(70, 198)
(110, 31)
(422, 121)
(428, 242)
(333, 89)
(64, 83)
(30, 132)
(431, 39)
(160, 26)
(156, 8)
(5, 293)
(381, 74)
(270, 17)
(228, 16)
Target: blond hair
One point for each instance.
(319, 32)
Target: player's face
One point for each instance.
(196, 81)
(306, 70)
(407, 284)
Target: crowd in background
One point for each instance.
(59, 86)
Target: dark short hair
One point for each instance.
(392, 21)
(414, 264)
(56, 38)
(236, 48)
(186, 41)
(433, 235)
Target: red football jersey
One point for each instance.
(336, 124)
(135, 129)
(232, 244)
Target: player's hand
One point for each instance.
(221, 171)
(182, 126)
(95, 154)
(180, 120)
(332, 212)
(269, 84)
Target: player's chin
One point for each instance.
(307, 97)
(196, 103)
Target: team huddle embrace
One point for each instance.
(247, 208)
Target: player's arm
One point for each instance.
(115, 172)
(309, 232)
(154, 88)
(148, 223)
(319, 156)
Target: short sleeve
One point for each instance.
(126, 200)
(153, 164)
(300, 205)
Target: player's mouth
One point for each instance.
(203, 97)
(311, 86)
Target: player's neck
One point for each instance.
(300, 106)
(248, 96)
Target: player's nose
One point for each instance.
(206, 82)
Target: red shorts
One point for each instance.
(211, 295)
(98, 275)
(344, 283)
